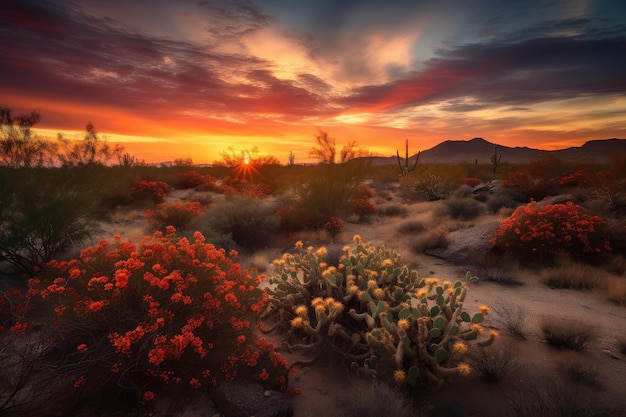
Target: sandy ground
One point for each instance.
(326, 385)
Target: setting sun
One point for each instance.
(174, 80)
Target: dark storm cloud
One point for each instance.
(506, 72)
(65, 55)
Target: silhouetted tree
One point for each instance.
(18, 146)
(326, 149)
(232, 157)
(91, 150)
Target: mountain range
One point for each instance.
(479, 150)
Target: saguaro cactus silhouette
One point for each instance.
(405, 170)
(495, 158)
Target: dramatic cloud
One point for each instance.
(267, 72)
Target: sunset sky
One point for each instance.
(175, 79)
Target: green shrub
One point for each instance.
(501, 199)
(411, 226)
(432, 185)
(43, 212)
(462, 208)
(248, 221)
(392, 210)
(329, 190)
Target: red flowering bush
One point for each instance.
(472, 181)
(178, 214)
(166, 311)
(532, 186)
(334, 226)
(189, 179)
(157, 191)
(362, 204)
(246, 187)
(553, 229)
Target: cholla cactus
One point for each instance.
(377, 312)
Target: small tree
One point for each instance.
(326, 150)
(91, 150)
(18, 146)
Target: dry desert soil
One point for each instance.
(538, 379)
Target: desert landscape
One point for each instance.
(544, 334)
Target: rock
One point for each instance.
(558, 199)
(464, 243)
(245, 399)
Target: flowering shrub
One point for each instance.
(246, 187)
(533, 187)
(155, 190)
(472, 181)
(173, 214)
(362, 204)
(334, 226)
(374, 311)
(190, 179)
(552, 229)
(166, 311)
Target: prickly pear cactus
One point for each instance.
(376, 312)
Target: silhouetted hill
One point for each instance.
(480, 150)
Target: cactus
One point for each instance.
(385, 320)
(405, 170)
(495, 158)
(292, 159)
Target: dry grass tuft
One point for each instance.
(567, 334)
(367, 398)
(433, 238)
(496, 268)
(577, 371)
(496, 362)
(512, 317)
(575, 275)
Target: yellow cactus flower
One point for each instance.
(322, 251)
(301, 310)
(346, 248)
(297, 322)
(278, 262)
(317, 301)
(328, 301)
(484, 309)
(372, 283)
(379, 293)
(477, 328)
(320, 308)
(299, 244)
(310, 249)
(422, 292)
(432, 281)
(357, 238)
(464, 369)
(493, 334)
(399, 376)
(353, 289)
(403, 324)
(459, 347)
(350, 278)
(446, 284)
(338, 306)
(387, 262)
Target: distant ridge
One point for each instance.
(478, 149)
